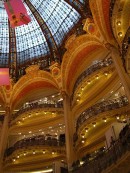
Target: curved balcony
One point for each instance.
(125, 42)
(34, 142)
(112, 6)
(109, 158)
(37, 105)
(100, 108)
(96, 66)
(125, 46)
(1, 118)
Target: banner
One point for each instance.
(4, 76)
(17, 13)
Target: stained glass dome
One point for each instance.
(51, 21)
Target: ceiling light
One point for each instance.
(97, 77)
(89, 82)
(82, 88)
(83, 142)
(117, 117)
(43, 152)
(105, 73)
(79, 94)
(81, 162)
(120, 34)
(105, 120)
(86, 129)
(94, 124)
(118, 23)
(53, 152)
(77, 99)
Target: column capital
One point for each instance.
(112, 48)
(63, 94)
(7, 110)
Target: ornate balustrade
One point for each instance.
(112, 6)
(107, 158)
(2, 118)
(37, 106)
(125, 44)
(96, 66)
(100, 108)
(34, 141)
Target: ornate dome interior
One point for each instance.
(42, 40)
(69, 87)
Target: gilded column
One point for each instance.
(4, 137)
(69, 130)
(125, 79)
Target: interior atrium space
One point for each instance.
(66, 105)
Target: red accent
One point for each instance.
(4, 76)
(17, 13)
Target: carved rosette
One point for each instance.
(89, 26)
(56, 72)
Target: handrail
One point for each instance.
(107, 158)
(34, 141)
(36, 106)
(125, 46)
(112, 7)
(98, 65)
(101, 107)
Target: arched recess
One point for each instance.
(96, 93)
(80, 54)
(33, 85)
(101, 14)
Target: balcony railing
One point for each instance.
(100, 108)
(112, 6)
(37, 106)
(107, 158)
(96, 66)
(125, 46)
(34, 141)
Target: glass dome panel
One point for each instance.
(4, 38)
(59, 16)
(30, 40)
(50, 23)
